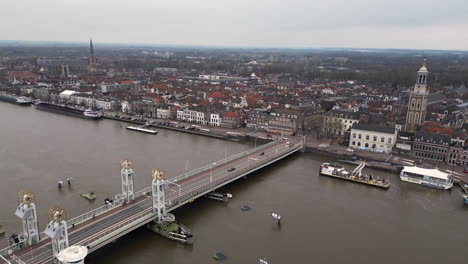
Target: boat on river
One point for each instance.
(338, 171)
(22, 100)
(428, 177)
(465, 199)
(172, 230)
(62, 109)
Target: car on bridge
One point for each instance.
(261, 154)
(231, 169)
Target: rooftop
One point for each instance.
(379, 129)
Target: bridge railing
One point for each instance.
(110, 230)
(91, 214)
(189, 174)
(223, 161)
(192, 192)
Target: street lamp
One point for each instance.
(211, 173)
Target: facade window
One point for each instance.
(374, 146)
(354, 135)
(354, 143)
(367, 145)
(375, 138)
(359, 144)
(389, 140)
(359, 136)
(382, 139)
(367, 137)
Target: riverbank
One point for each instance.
(194, 132)
(379, 161)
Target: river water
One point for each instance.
(325, 220)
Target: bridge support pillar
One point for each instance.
(57, 230)
(28, 214)
(126, 175)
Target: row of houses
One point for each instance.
(435, 148)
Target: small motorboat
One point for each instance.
(90, 196)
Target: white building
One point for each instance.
(215, 120)
(372, 138)
(66, 94)
(103, 104)
(126, 107)
(163, 113)
(337, 121)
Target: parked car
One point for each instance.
(350, 149)
(231, 169)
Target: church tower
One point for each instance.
(91, 58)
(418, 101)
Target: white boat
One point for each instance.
(429, 177)
(22, 100)
(331, 169)
(91, 114)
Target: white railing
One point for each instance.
(91, 214)
(220, 162)
(190, 193)
(110, 230)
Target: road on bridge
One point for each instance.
(126, 218)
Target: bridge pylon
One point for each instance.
(26, 210)
(158, 185)
(126, 175)
(57, 229)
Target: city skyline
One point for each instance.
(299, 24)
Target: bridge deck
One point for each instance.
(116, 222)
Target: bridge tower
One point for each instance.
(57, 229)
(127, 174)
(158, 186)
(26, 210)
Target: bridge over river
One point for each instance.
(132, 210)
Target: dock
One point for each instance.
(142, 129)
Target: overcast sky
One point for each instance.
(416, 24)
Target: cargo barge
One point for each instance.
(88, 114)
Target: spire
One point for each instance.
(423, 67)
(91, 48)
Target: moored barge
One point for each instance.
(338, 171)
(88, 114)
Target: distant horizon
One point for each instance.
(155, 45)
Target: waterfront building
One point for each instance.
(417, 104)
(458, 151)
(372, 138)
(257, 118)
(232, 120)
(163, 113)
(338, 121)
(432, 147)
(215, 120)
(284, 121)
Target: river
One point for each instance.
(325, 220)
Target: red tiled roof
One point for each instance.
(231, 114)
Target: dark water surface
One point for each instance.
(325, 220)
